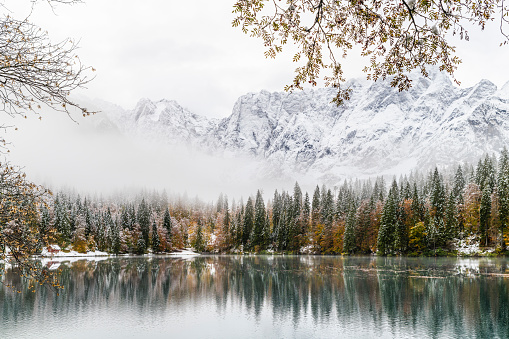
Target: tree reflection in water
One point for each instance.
(396, 296)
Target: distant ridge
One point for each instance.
(379, 131)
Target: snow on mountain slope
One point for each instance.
(379, 131)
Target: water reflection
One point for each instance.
(270, 296)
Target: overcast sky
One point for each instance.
(188, 51)
(181, 50)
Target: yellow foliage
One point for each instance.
(416, 237)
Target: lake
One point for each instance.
(264, 297)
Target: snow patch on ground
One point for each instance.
(184, 252)
(470, 246)
(53, 251)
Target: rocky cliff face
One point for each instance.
(379, 131)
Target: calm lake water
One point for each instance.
(265, 297)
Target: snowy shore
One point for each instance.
(54, 251)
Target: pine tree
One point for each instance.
(125, 223)
(315, 207)
(156, 242)
(276, 216)
(45, 224)
(115, 238)
(144, 220)
(266, 232)
(109, 226)
(199, 244)
(327, 219)
(451, 219)
(459, 185)
(349, 245)
(386, 234)
(237, 229)
(167, 224)
(62, 224)
(485, 215)
(438, 196)
(248, 223)
(220, 203)
(141, 246)
(259, 223)
(401, 236)
(297, 200)
(418, 214)
(89, 228)
(226, 219)
(283, 231)
(503, 194)
(306, 211)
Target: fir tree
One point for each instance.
(144, 220)
(248, 223)
(459, 185)
(416, 206)
(315, 218)
(306, 211)
(386, 234)
(62, 224)
(156, 242)
(89, 224)
(45, 224)
(226, 222)
(485, 215)
(349, 245)
(451, 219)
(327, 218)
(125, 223)
(199, 244)
(276, 216)
(220, 203)
(401, 236)
(259, 222)
(141, 246)
(115, 238)
(503, 194)
(109, 227)
(438, 196)
(167, 224)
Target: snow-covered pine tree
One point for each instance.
(116, 243)
(306, 211)
(144, 221)
(349, 245)
(386, 234)
(257, 242)
(437, 196)
(451, 217)
(248, 222)
(156, 242)
(503, 195)
(417, 208)
(199, 243)
(458, 185)
(167, 224)
(327, 219)
(485, 215)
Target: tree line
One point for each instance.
(423, 213)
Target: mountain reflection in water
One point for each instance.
(265, 296)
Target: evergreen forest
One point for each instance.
(418, 214)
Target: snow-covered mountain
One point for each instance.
(379, 131)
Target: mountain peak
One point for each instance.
(380, 130)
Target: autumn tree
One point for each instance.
(20, 235)
(394, 36)
(36, 72)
